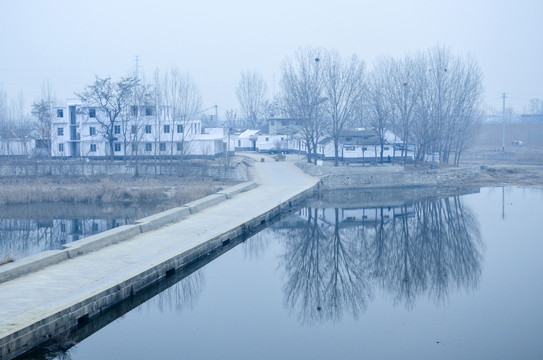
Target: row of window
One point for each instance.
(353, 148)
(117, 147)
(134, 129)
(149, 111)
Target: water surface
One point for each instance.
(437, 278)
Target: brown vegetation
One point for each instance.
(99, 190)
(6, 259)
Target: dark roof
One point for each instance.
(359, 137)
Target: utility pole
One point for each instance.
(503, 123)
(137, 66)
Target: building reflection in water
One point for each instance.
(335, 259)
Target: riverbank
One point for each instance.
(514, 167)
(480, 168)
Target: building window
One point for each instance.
(61, 147)
(117, 146)
(134, 110)
(92, 147)
(162, 146)
(179, 146)
(385, 148)
(272, 123)
(92, 131)
(239, 143)
(117, 129)
(133, 129)
(147, 129)
(149, 111)
(60, 113)
(94, 227)
(92, 113)
(284, 123)
(60, 131)
(267, 139)
(179, 129)
(166, 129)
(134, 148)
(148, 147)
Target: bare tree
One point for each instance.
(378, 107)
(112, 99)
(41, 109)
(536, 106)
(403, 87)
(231, 117)
(303, 96)
(182, 102)
(344, 88)
(251, 94)
(134, 120)
(453, 96)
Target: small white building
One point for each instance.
(360, 146)
(26, 143)
(272, 143)
(246, 141)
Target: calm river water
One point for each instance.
(452, 278)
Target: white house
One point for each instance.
(279, 126)
(229, 140)
(272, 143)
(17, 146)
(145, 131)
(23, 142)
(246, 141)
(359, 146)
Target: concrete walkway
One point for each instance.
(28, 299)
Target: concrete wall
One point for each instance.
(82, 167)
(351, 177)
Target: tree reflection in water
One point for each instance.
(182, 295)
(334, 258)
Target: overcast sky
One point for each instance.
(69, 42)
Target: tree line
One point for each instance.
(431, 100)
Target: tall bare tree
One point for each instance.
(450, 102)
(112, 99)
(41, 109)
(344, 88)
(303, 95)
(379, 112)
(403, 81)
(182, 101)
(251, 94)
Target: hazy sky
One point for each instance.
(69, 42)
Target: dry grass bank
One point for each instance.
(122, 190)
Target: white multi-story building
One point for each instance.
(80, 130)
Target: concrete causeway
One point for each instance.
(49, 294)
